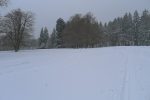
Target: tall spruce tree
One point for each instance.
(53, 39)
(127, 29)
(145, 21)
(60, 26)
(136, 24)
(44, 36)
(145, 28)
(41, 38)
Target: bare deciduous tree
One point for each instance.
(3, 2)
(18, 26)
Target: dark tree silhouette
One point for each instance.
(18, 25)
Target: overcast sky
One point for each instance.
(48, 11)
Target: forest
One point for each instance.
(80, 31)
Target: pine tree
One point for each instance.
(136, 24)
(53, 39)
(145, 28)
(43, 38)
(46, 36)
(145, 21)
(59, 28)
(127, 28)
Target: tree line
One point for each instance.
(80, 31)
(84, 31)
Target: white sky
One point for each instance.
(48, 11)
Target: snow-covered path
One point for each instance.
(118, 73)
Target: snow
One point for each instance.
(115, 73)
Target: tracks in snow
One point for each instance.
(124, 88)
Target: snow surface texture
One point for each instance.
(118, 73)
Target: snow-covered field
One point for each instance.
(116, 73)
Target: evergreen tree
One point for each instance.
(136, 24)
(114, 29)
(43, 38)
(145, 28)
(145, 21)
(46, 36)
(127, 28)
(60, 26)
(53, 39)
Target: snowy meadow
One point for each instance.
(114, 73)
